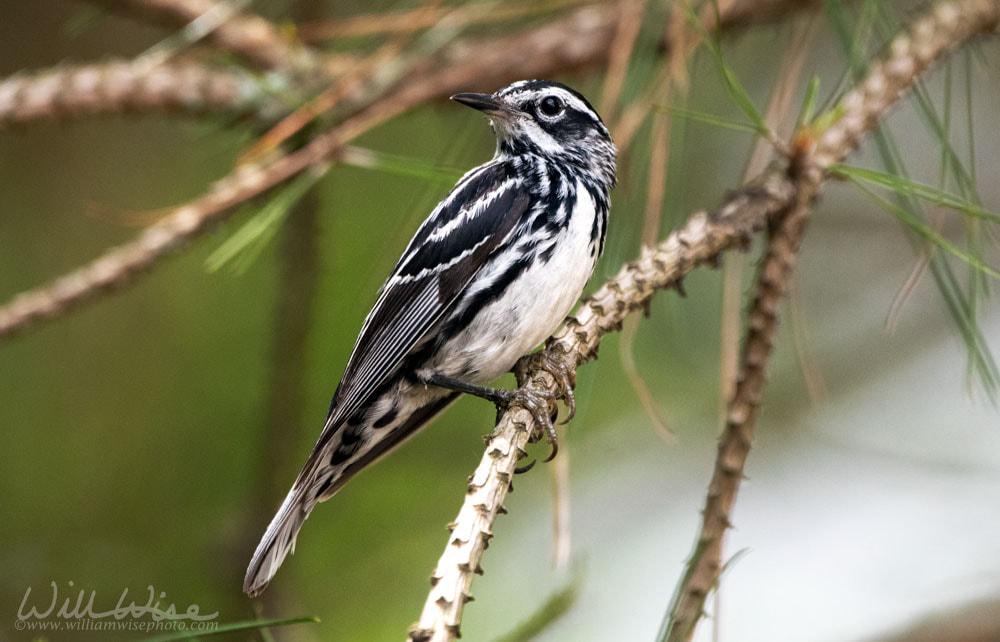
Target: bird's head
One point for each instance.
(551, 120)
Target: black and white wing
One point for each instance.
(476, 219)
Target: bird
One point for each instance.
(487, 277)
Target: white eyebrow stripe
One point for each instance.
(571, 100)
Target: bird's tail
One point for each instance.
(319, 481)
(279, 539)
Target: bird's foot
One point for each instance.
(541, 404)
(559, 367)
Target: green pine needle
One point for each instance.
(808, 109)
(924, 230)
(708, 119)
(737, 92)
(249, 625)
(245, 245)
(906, 187)
(909, 195)
(399, 165)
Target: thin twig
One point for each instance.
(353, 81)
(671, 78)
(250, 36)
(655, 190)
(119, 264)
(561, 522)
(622, 46)
(777, 195)
(812, 375)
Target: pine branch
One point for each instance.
(119, 86)
(780, 197)
(774, 275)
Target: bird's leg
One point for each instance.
(538, 403)
(498, 396)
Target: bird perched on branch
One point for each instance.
(488, 276)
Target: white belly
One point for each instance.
(529, 311)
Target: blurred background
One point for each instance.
(146, 439)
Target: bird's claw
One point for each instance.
(556, 365)
(520, 470)
(541, 403)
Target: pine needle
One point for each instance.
(249, 625)
(245, 245)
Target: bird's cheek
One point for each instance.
(511, 128)
(501, 128)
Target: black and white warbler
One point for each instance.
(488, 276)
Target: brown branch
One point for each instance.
(250, 36)
(776, 114)
(781, 196)
(120, 86)
(734, 446)
(119, 265)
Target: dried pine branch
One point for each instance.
(781, 196)
(785, 236)
(119, 86)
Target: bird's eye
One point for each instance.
(550, 106)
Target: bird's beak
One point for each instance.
(487, 104)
